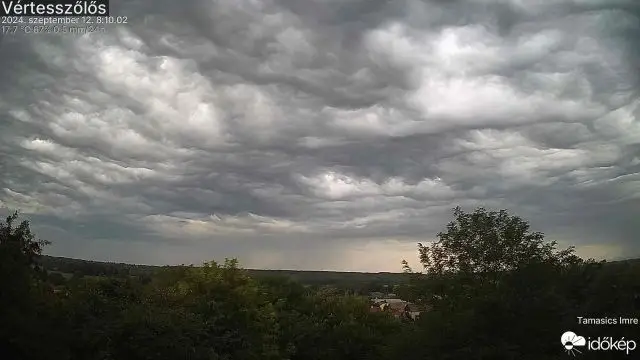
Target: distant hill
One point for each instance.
(363, 282)
(347, 279)
(633, 262)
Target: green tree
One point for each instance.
(19, 247)
(19, 277)
(494, 285)
(490, 242)
(241, 323)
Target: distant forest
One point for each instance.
(358, 282)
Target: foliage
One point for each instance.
(495, 290)
(494, 285)
(489, 242)
(19, 279)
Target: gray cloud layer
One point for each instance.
(323, 134)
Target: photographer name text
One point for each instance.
(608, 321)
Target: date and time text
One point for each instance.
(80, 25)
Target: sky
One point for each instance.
(323, 134)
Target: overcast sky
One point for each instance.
(323, 134)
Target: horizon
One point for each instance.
(219, 262)
(273, 269)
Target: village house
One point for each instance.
(397, 307)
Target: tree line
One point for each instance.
(354, 282)
(495, 290)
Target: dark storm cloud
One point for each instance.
(323, 134)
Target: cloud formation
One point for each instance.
(315, 134)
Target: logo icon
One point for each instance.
(570, 341)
